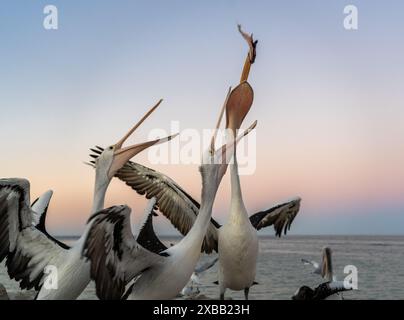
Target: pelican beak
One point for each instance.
(119, 144)
(238, 104)
(123, 155)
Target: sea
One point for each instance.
(376, 262)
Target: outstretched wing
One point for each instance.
(147, 238)
(26, 249)
(280, 216)
(172, 201)
(39, 209)
(116, 257)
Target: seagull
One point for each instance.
(29, 251)
(123, 269)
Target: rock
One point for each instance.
(3, 293)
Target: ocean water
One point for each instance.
(378, 259)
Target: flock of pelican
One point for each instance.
(127, 267)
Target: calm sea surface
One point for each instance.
(379, 260)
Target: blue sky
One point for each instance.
(329, 102)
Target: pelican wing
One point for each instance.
(173, 202)
(147, 238)
(28, 252)
(39, 209)
(280, 216)
(116, 257)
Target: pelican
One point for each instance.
(123, 269)
(325, 267)
(179, 206)
(148, 239)
(30, 252)
(238, 237)
(325, 270)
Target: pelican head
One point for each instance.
(109, 160)
(215, 161)
(326, 266)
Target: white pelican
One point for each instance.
(182, 210)
(123, 269)
(29, 251)
(148, 239)
(238, 240)
(177, 205)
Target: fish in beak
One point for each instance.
(241, 98)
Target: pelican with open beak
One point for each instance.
(123, 269)
(37, 260)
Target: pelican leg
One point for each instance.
(246, 290)
(222, 291)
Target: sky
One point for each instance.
(329, 102)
